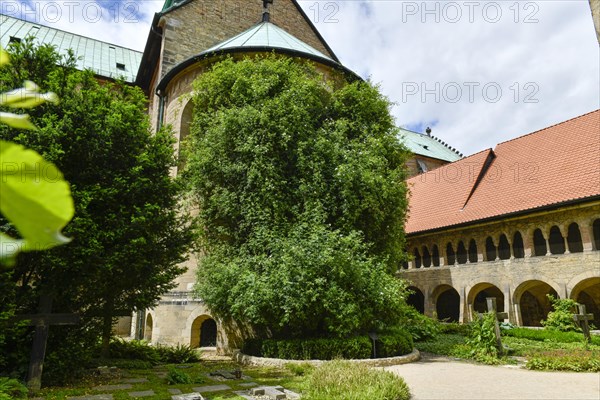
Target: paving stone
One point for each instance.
(188, 396)
(93, 397)
(248, 384)
(123, 386)
(213, 388)
(144, 393)
(174, 391)
(135, 380)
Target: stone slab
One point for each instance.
(188, 396)
(135, 380)
(143, 393)
(174, 391)
(248, 384)
(93, 397)
(213, 388)
(108, 388)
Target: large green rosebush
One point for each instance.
(299, 181)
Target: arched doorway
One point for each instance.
(447, 303)
(532, 297)
(416, 299)
(480, 292)
(588, 292)
(204, 332)
(148, 328)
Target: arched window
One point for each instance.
(417, 259)
(503, 248)
(596, 229)
(539, 243)
(461, 253)
(472, 251)
(426, 257)
(184, 131)
(556, 240)
(574, 239)
(405, 265)
(450, 254)
(490, 249)
(435, 256)
(518, 248)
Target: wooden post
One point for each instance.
(582, 318)
(491, 305)
(42, 322)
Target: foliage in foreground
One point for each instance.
(301, 193)
(339, 380)
(142, 351)
(482, 339)
(12, 389)
(561, 360)
(549, 335)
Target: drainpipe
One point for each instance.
(161, 109)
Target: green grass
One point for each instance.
(549, 335)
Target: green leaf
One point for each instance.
(34, 197)
(9, 248)
(19, 121)
(4, 59)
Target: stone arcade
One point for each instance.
(514, 223)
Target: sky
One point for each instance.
(477, 72)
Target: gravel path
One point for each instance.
(441, 378)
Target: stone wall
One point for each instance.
(201, 24)
(516, 276)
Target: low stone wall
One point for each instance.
(245, 359)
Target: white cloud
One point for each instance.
(544, 51)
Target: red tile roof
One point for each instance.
(555, 165)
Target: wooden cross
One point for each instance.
(42, 322)
(582, 318)
(491, 306)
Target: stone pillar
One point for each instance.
(509, 239)
(442, 253)
(463, 308)
(429, 304)
(527, 243)
(587, 235)
(547, 239)
(564, 231)
(411, 264)
(508, 302)
(480, 250)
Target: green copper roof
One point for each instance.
(267, 34)
(104, 59)
(428, 146)
(170, 3)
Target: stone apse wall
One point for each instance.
(517, 261)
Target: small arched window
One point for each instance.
(472, 251)
(539, 243)
(596, 231)
(450, 254)
(490, 249)
(435, 256)
(574, 239)
(518, 248)
(417, 259)
(461, 253)
(556, 240)
(426, 257)
(503, 248)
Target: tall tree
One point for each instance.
(129, 232)
(300, 185)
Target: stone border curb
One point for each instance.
(245, 359)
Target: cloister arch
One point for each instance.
(532, 298)
(461, 253)
(472, 251)
(426, 257)
(574, 239)
(148, 326)
(417, 258)
(450, 254)
(435, 256)
(588, 292)
(447, 303)
(480, 292)
(518, 247)
(490, 249)
(539, 243)
(503, 248)
(416, 299)
(596, 233)
(204, 332)
(556, 241)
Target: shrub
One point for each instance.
(339, 380)
(571, 360)
(179, 354)
(420, 326)
(561, 318)
(306, 349)
(12, 389)
(482, 338)
(548, 335)
(394, 343)
(300, 369)
(455, 328)
(134, 350)
(174, 377)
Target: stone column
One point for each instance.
(587, 235)
(564, 231)
(429, 304)
(442, 253)
(527, 243)
(480, 250)
(463, 308)
(547, 239)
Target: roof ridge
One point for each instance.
(70, 33)
(548, 127)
